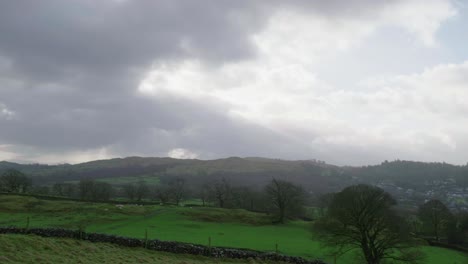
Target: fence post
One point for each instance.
(276, 248)
(209, 245)
(81, 230)
(146, 238)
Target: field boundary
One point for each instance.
(158, 245)
(61, 198)
(434, 243)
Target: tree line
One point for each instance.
(280, 198)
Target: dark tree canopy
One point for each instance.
(362, 217)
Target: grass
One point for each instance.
(34, 249)
(230, 228)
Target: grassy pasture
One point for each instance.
(231, 228)
(34, 249)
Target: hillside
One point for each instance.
(314, 175)
(248, 171)
(34, 249)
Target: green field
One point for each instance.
(34, 249)
(231, 228)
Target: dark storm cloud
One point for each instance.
(54, 38)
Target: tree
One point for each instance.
(130, 191)
(414, 223)
(204, 193)
(324, 201)
(92, 190)
(457, 228)
(102, 191)
(221, 192)
(362, 217)
(57, 189)
(435, 217)
(64, 189)
(177, 189)
(14, 181)
(163, 193)
(245, 198)
(286, 198)
(85, 187)
(142, 190)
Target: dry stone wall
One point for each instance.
(158, 245)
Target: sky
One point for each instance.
(348, 82)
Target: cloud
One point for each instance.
(208, 79)
(280, 90)
(181, 153)
(6, 113)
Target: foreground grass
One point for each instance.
(34, 249)
(229, 228)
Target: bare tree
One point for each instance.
(177, 189)
(142, 190)
(221, 191)
(102, 191)
(163, 193)
(435, 215)
(130, 191)
(362, 217)
(85, 187)
(204, 193)
(245, 197)
(90, 189)
(286, 198)
(64, 189)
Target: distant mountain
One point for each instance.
(314, 175)
(248, 171)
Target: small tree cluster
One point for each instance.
(14, 181)
(171, 190)
(137, 191)
(94, 190)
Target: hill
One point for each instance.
(248, 171)
(315, 176)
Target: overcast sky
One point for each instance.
(349, 82)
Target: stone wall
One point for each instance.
(167, 246)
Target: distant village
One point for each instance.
(447, 191)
